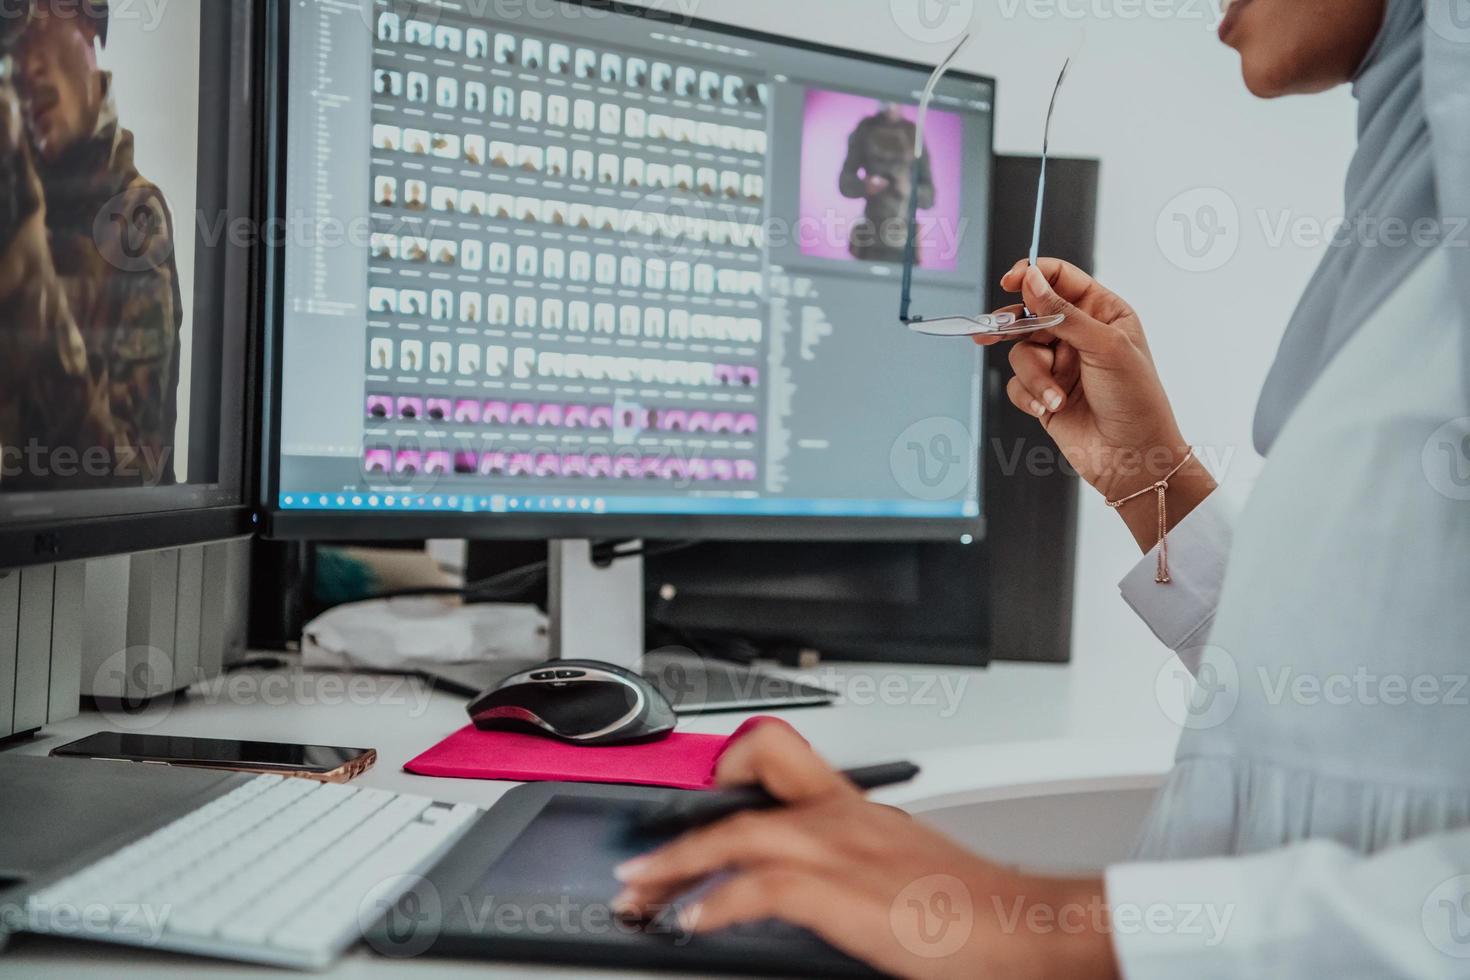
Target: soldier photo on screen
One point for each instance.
(880, 169)
(90, 311)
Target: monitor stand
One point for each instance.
(596, 613)
(595, 610)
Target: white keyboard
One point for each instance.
(284, 871)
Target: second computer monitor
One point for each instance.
(127, 250)
(615, 273)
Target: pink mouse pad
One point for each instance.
(679, 761)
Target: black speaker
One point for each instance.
(1030, 554)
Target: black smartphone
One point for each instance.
(327, 763)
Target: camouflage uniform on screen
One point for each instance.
(882, 145)
(89, 300)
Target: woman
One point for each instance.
(1316, 831)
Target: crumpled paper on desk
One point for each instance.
(413, 633)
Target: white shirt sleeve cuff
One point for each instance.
(1181, 611)
(1174, 919)
(1313, 909)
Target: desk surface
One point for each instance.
(1005, 732)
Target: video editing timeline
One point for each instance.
(566, 271)
(616, 265)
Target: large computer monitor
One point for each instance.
(128, 172)
(570, 269)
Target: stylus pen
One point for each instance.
(691, 810)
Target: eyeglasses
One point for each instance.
(962, 325)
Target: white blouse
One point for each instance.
(1317, 820)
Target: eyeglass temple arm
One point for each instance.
(1041, 180)
(910, 247)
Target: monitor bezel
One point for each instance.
(72, 537)
(293, 524)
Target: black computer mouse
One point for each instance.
(584, 702)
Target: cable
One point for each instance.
(653, 552)
(514, 583)
(715, 645)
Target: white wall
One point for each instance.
(153, 53)
(1160, 101)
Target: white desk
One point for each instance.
(1008, 732)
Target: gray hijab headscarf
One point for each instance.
(1408, 192)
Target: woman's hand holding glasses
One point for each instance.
(1091, 382)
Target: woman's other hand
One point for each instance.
(1092, 384)
(867, 878)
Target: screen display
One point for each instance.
(565, 859)
(212, 751)
(571, 849)
(590, 262)
(122, 364)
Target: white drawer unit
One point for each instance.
(159, 621)
(40, 645)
